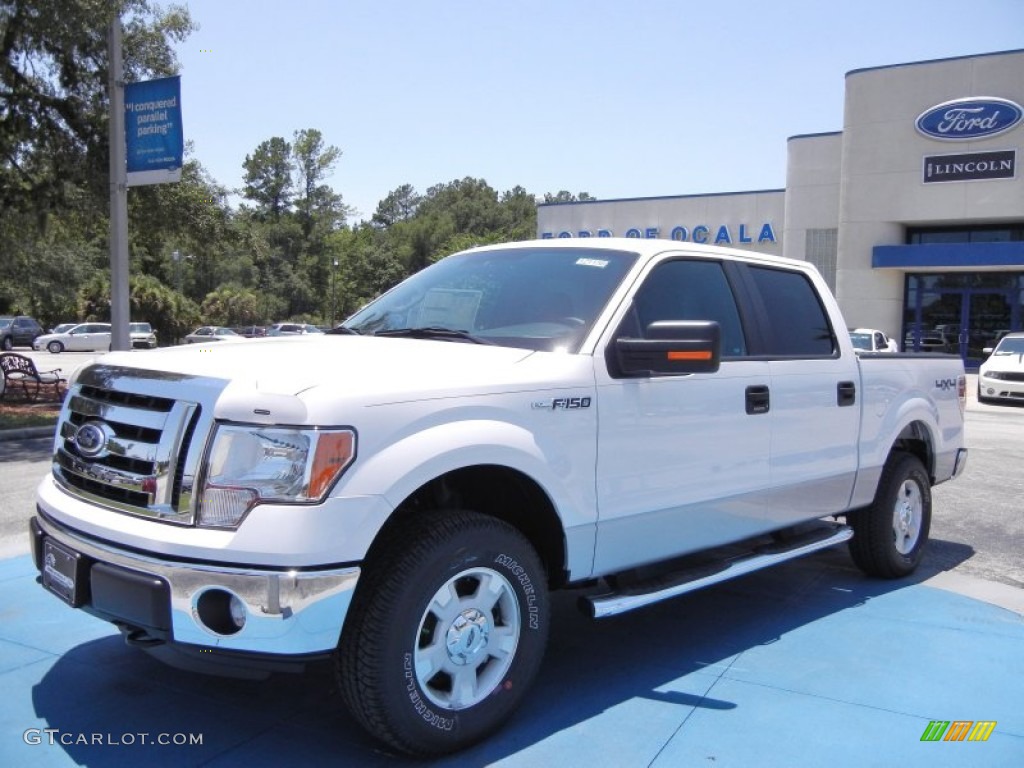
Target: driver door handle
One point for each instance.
(758, 399)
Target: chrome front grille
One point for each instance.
(125, 445)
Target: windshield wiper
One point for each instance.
(342, 330)
(433, 332)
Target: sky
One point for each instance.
(615, 98)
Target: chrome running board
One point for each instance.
(673, 585)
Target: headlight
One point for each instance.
(249, 464)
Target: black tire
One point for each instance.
(55, 347)
(8, 343)
(889, 537)
(395, 629)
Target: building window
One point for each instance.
(997, 233)
(821, 248)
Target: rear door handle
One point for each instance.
(846, 393)
(757, 399)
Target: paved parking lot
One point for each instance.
(806, 664)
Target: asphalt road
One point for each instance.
(977, 525)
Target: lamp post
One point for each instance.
(334, 291)
(176, 256)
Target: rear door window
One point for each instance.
(797, 324)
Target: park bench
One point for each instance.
(21, 372)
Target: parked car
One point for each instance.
(871, 340)
(251, 331)
(925, 341)
(292, 329)
(211, 333)
(84, 337)
(142, 335)
(19, 331)
(1001, 376)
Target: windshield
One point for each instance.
(1010, 347)
(861, 340)
(536, 298)
(139, 328)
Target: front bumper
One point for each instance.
(1000, 388)
(286, 613)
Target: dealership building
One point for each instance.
(913, 212)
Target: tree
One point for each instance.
(399, 205)
(471, 203)
(564, 196)
(519, 214)
(268, 177)
(317, 203)
(170, 313)
(231, 305)
(191, 217)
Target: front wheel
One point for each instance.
(445, 634)
(890, 535)
(55, 347)
(7, 344)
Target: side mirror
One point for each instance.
(987, 350)
(671, 347)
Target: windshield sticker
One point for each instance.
(600, 263)
(449, 308)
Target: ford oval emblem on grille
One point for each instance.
(91, 439)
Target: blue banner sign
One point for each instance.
(153, 132)
(964, 119)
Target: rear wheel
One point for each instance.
(445, 634)
(890, 535)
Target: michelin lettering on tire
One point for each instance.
(421, 707)
(533, 613)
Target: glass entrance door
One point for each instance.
(986, 318)
(961, 313)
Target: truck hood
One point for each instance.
(369, 369)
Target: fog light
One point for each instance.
(220, 611)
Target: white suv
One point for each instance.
(142, 335)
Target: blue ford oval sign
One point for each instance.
(973, 118)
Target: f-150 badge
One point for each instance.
(561, 403)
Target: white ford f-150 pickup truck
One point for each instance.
(631, 418)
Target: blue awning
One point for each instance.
(948, 255)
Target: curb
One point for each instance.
(26, 433)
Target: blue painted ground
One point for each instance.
(808, 664)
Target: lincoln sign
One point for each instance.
(972, 166)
